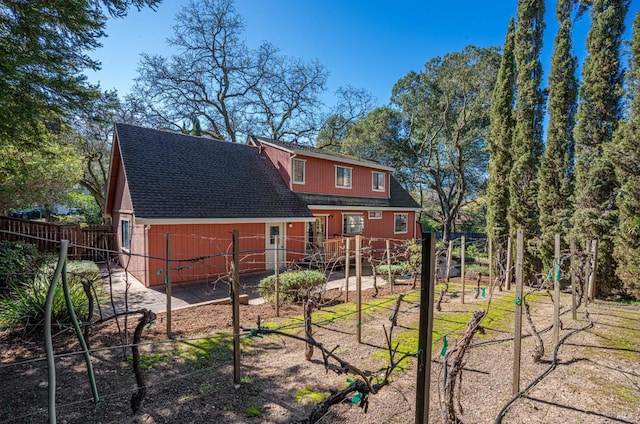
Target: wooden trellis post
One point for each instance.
(359, 288)
(509, 261)
(517, 336)
(167, 282)
(572, 248)
(449, 255)
(347, 265)
(277, 271)
(490, 262)
(593, 290)
(235, 288)
(463, 249)
(388, 246)
(556, 291)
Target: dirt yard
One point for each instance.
(189, 378)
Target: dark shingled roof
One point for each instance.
(400, 198)
(173, 175)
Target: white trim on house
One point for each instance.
(345, 187)
(384, 182)
(179, 221)
(304, 171)
(370, 216)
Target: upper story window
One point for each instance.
(400, 223)
(125, 235)
(343, 177)
(375, 214)
(298, 171)
(377, 181)
(352, 223)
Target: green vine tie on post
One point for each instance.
(483, 290)
(76, 326)
(445, 345)
(48, 342)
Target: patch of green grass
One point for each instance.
(202, 351)
(148, 361)
(252, 411)
(618, 395)
(307, 394)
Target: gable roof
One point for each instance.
(311, 151)
(178, 176)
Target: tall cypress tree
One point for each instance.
(527, 136)
(599, 111)
(626, 155)
(500, 136)
(555, 177)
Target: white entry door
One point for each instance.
(275, 253)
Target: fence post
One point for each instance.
(556, 291)
(491, 263)
(449, 255)
(391, 279)
(425, 331)
(517, 337)
(277, 271)
(347, 265)
(593, 290)
(572, 248)
(359, 288)
(509, 261)
(235, 288)
(463, 249)
(167, 282)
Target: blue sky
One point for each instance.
(367, 44)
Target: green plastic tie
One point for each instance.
(517, 301)
(158, 272)
(356, 398)
(483, 290)
(444, 346)
(150, 324)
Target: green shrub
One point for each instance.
(24, 306)
(396, 269)
(19, 262)
(294, 286)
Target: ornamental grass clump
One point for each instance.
(295, 286)
(24, 306)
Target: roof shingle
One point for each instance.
(172, 175)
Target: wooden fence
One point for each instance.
(85, 243)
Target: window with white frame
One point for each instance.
(343, 177)
(298, 171)
(125, 241)
(377, 181)
(375, 214)
(352, 223)
(400, 223)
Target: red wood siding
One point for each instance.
(204, 252)
(321, 178)
(373, 228)
(281, 160)
(320, 175)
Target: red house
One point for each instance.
(180, 197)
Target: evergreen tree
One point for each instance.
(527, 144)
(555, 178)
(627, 161)
(599, 111)
(500, 136)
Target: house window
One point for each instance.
(375, 214)
(125, 242)
(377, 181)
(298, 171)
(352, 223)
(343, 177)
(400, 223)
